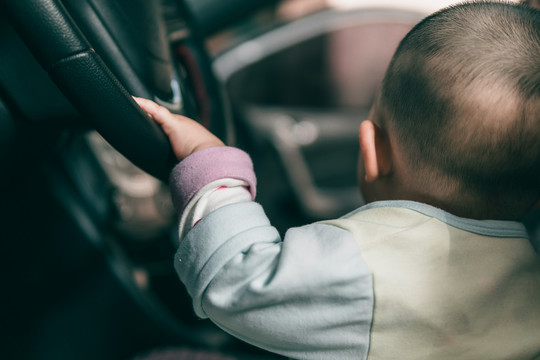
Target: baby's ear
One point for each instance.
(375, 151)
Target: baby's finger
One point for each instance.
(160, 114)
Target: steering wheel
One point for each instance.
(100, 52)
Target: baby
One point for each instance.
(436, 266)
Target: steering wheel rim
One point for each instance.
(101, 96)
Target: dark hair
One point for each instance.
(462, 96)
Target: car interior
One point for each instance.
(88, 228)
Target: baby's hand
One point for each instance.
(186, 136)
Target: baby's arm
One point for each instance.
(308, 296)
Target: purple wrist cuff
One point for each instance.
(208, 165)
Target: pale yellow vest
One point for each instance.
(445, 293)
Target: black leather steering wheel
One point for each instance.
(100, 52)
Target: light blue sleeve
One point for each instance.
(309, 296)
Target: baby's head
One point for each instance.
(457, 121)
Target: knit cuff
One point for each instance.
(206, 166)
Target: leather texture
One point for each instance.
(46, 28)
(60, 47)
